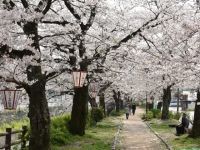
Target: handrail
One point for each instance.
(3, 134)
(8, 137)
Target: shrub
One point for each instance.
(59, 131)
(97, 114)
(177, 116)
(60, 121)
(147, 116)
(58, 137)
(114, 113)
(156, 113)
(171, 115)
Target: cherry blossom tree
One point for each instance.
(41, 40)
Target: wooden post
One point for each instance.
(8, 138)
(23, 139)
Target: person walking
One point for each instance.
(133, 106)
(127, 112)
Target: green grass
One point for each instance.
(162, 126)
(99, 137)
(183, 142)
(16, 125)
(96, 138)
(186, 143)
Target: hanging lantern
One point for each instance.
(93, 90)
(10, 98)
(79, 78)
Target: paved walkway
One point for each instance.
(137, 136)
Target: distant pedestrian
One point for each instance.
(133, 106)
(127, 112)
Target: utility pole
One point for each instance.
(146, 103)
(178, 100)
(146, 72)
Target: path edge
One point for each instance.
(117, 135)
(163, 141)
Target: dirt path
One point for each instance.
(137, 136)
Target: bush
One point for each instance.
(147, 116)
(97, 114)
(156, 113)
(171, 115)
(60, 121)
(59, 131)
(177, 116)
(58, 137)
(114, 113)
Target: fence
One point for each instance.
(8, 138)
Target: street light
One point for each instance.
(79, 78)
(10, 98)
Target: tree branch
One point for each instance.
(9, 4)
(43, 6)
(72, 10)
(63, 23)
(48, 6)
(25, 3)
(132, 35)
(54, 74)
(107, 85)
(90, 20)
(12, 80)
(4, 50)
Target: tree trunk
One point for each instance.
(116, 96)
(102, 103)
(121, 104)
(38, 106)
(39, 117)
(196, 123)
(92, 102)
(166, 103)
(117, 103)
(79, 111)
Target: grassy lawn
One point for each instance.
(16, 125)
(182, 142)
(162, 126)
(99, 137)
(186, 143)
(96, 138)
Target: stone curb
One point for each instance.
(163, 141)
(116, 138)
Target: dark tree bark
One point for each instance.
(92, 102)
(39, 117)
(121, 104)
(116, 96)
(166, 103)
(79, 111)
(196, 123)
(38, 107)
(102, 103)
